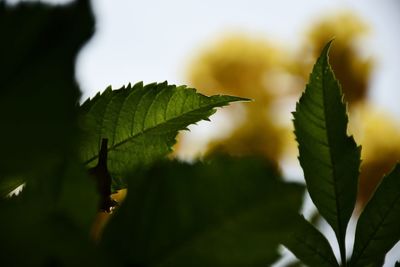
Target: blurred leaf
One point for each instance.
(295, 264)
(378, 226)
(230, 212)
(49, 222)
(141, 122)
(309, 245)
(8, 184)
(329, 158)
(77, 196)
(38, 93)
(30, 237)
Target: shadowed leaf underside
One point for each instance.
(330, 159)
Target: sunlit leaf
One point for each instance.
(141, 122)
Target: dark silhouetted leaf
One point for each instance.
(141, 122)
(224, 213)
(48, 223)
(329, 158)
(295, 264)
(309, 245)
(378, 228)
(38, 93)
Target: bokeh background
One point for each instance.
(263, 50)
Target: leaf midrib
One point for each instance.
(113, 147)
(334, 172)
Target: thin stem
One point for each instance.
(103, 179)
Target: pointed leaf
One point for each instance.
(330, 159)
(378, 228)
(141, 122)
(230, 212)
(309, 245)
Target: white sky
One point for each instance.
(154, 40)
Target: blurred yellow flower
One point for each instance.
(255, 68)
(351, 67)
(379, 135)
(239, 65)
(252, 67)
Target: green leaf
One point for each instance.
(309, 245)
(228, 212)
(378, 226)
(330, 159)
(141, 122)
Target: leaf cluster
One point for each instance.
(331, 160)
(217, 212)
(71, 157)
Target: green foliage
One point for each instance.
(221, 213)
(378, 227)
(308, 244)
(331, 160)
(48, 223)
(175, 213)
(38, 93)
(141, 123)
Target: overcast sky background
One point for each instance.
(154, 40)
